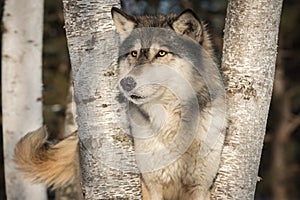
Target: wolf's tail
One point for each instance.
(54, 164)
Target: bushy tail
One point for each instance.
(54, 164)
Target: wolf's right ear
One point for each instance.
(124, 23)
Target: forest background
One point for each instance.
(283, 128)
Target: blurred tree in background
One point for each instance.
(56, 67)
(280, 164)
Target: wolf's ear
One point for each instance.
(124, 23)
(187, 23)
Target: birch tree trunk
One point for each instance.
(249, 54)
(21, 87)
(107, 158)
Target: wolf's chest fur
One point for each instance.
(186, 174)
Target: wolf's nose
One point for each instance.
(128, 83)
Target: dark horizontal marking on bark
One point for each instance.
(88, 100)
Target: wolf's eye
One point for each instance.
(133, 53)
(161, 53)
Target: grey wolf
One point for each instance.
(175, 96)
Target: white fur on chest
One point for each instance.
(191, 173)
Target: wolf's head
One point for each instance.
(153, 47)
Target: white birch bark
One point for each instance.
(107, 159)
(249, 54)
(21, 87)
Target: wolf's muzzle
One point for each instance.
(128, 83)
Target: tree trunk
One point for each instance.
(21, 87)
(286, 124)
(249, 54)
(108, 164)
(280, 139)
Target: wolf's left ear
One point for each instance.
(124, 23)
(187, 23)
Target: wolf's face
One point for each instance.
(153, 49)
